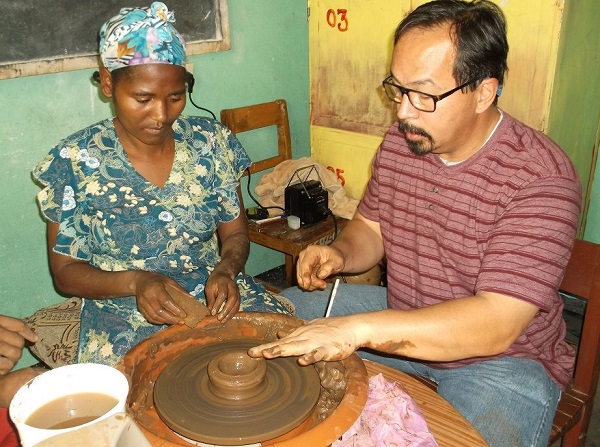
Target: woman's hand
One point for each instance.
(13, 333)
(328, 339)
(222, 296)
(153, 300)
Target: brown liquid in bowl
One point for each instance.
(71, 411)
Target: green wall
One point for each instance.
(268, 60)
(574, 120)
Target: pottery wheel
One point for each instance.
(187, 401)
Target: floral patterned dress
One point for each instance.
(113, 218)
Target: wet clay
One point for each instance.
(194, 310)
(234, 375)
(343, 385)
(241, 408)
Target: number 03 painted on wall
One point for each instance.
(338, 18)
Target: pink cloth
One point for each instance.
(390, 419)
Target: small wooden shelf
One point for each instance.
(278, 236)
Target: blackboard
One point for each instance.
(45, 36)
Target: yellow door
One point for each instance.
(350, 50)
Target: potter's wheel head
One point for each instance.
(189, 399)
(335, 412)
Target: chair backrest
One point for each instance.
(243, 119)
(582, 279)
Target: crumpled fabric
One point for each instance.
(390, 418)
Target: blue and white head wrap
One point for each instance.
(141, 36)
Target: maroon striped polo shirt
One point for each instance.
(502, 221)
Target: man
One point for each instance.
(475, 214)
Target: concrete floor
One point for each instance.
(593, 438)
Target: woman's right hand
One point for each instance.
(315, 264)
(153, 300)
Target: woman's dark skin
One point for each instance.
(147, 100)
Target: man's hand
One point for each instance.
(315, 264)
(328, 339)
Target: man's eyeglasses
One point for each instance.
(420, 101)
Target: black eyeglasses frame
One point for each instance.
(405, 91)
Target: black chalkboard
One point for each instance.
(38, 36)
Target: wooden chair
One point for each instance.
(277, 236)
(582, 279)
(243, 119)
(572, 417)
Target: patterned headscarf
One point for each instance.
(141, 36)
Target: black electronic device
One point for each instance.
(306, 199)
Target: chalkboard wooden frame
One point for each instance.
(220, 41)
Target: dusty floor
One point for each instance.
(593, 439)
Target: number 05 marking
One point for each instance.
(341, 22)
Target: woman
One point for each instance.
(146, 199)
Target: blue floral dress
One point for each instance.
(113, 218)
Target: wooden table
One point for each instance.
(278, 236)
(448, 426)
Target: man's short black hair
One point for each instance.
(478, 30)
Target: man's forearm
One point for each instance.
(361, 247)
